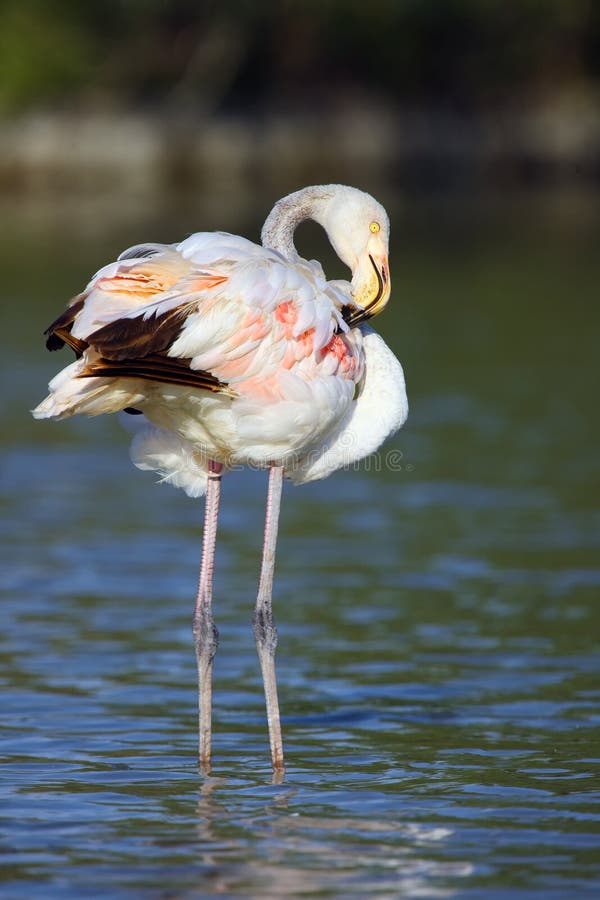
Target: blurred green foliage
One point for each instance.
(463, 54)
(43, 51)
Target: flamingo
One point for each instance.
(235, 353)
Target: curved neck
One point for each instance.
(281, 223)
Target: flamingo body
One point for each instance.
(272, 368)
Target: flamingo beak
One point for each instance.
(382, 295)
(371, 288)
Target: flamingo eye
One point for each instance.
(374, 227)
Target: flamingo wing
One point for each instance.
(215, 313)
(139, 300)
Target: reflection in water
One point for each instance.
(303, 853)
(437, 662)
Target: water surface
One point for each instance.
(437, 608)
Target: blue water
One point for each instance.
(437, 610)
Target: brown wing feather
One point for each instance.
(59, 332)
(156, 367)
(129, 338)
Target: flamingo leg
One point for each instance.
(265, 631)
(206, 636)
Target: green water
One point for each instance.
(437, 609)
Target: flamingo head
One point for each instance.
(358, 229)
